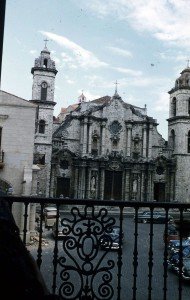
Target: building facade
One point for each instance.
(108, 149)
(18, 175)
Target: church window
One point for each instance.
(172, 139)
(174, 106)
(44, 91)
(188, 142)
(45, 63)
(39, 159)
(42, 126)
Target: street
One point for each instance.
(127, 278)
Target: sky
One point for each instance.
(143, 44)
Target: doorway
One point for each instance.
(63, 187)
(113, 185)
(159, 191)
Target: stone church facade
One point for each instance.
(109, 149)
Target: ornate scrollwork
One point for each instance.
(83, 274)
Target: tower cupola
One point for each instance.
(44, 62)
(183, 81)
(82, 98)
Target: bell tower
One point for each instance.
(44, 72)
(179, 133)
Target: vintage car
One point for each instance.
(180, 262)
(110, 240)
(174, 245)
(50, 215)
(156, 217)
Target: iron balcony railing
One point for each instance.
(83, 264)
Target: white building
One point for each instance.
(17, 128)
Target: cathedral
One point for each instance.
(108, 149)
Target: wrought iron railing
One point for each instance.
(83, 265)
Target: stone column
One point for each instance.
(82, 193)
(52, 181)
(90, 138)
(102, 182)
(150, 142)
(149, 187)
(144, 140)
(79, 182)
(76, 188)
(129, 131)
(142, 196)
(88, 183)
(123, 185)
(103, 138)
(84, 137)
(81, 135)
(172, 186)
(127, 184)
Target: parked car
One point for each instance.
(60, 234)
(157, 217)
(110, 240)
(174, 262)
(174, 245)
(50, 215)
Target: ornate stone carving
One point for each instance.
(64, 133)
(114, 165)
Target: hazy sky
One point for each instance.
(143, 44)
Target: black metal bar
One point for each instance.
(165, 263)
(39, 251)
(180, 254)
(150, 262)
(115, 203)
(119, 262)
(135, 254)
(25, 221)
(2, 25)
(55, 252)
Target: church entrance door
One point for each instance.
(63, 187)
(113, 185)
(159, 191)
